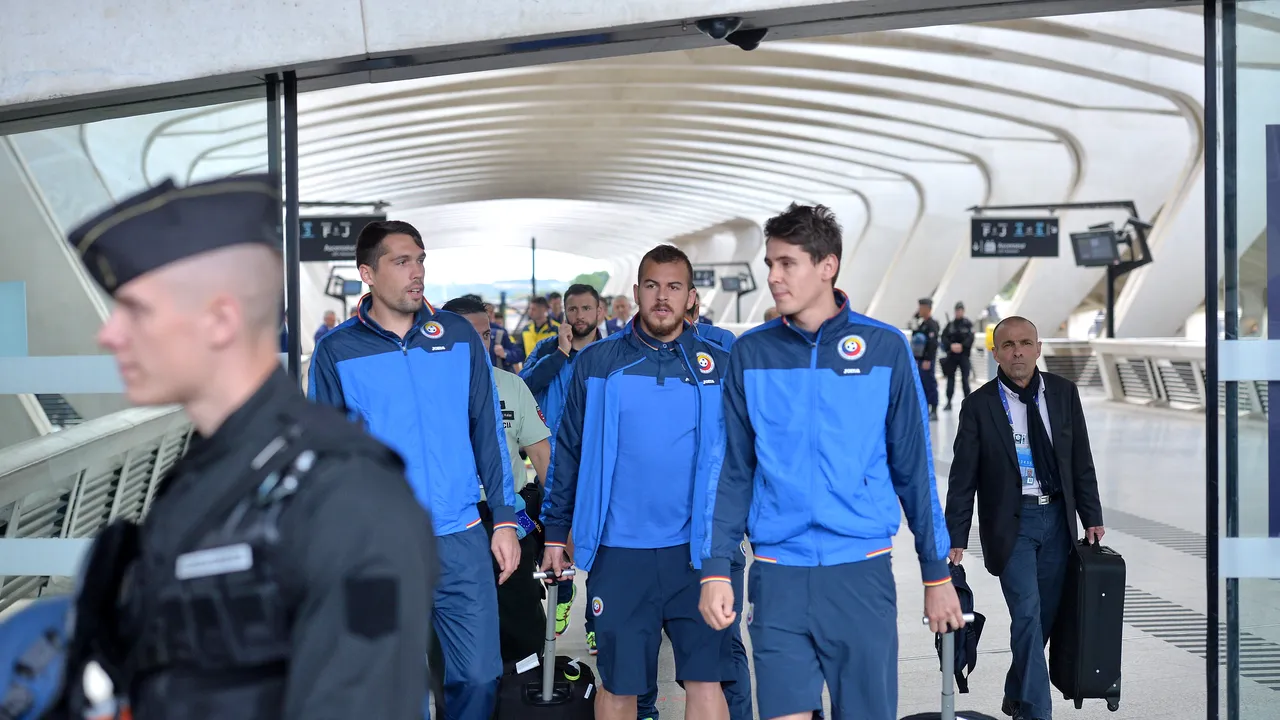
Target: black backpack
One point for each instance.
(967, 637)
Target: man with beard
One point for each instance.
(547, 372)
(420, 380)
(637, 445)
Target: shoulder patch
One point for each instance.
(372, 606)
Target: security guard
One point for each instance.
(924, 346)
(957, 338)
(283, 568)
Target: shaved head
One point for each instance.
(1011, 322)
(198, 327)
(250, 276)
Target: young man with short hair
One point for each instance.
(540, 326)
(420, 381)
(827, 436)
(636, 451)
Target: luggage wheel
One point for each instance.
(1113, 705)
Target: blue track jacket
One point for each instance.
(718, 335)
(429, 397)
(826, 436)
(580, 479)
(547, 372)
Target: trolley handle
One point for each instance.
(968, 618)
(565, 575)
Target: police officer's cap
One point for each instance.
(927, 302)
(166, 224)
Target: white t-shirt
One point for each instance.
(1021, 440)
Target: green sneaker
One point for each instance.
(562, 611)
(591, 643)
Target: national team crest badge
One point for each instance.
(705, 363)
(852, 347)
(597, 606)
(433, 330)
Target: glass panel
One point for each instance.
(1251, 203)
(51, 309)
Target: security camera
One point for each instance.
(748, 39)
(719, 28)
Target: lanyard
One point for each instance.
(1004, 400)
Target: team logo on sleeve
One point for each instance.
(541, 417)
(433, 330)
(705, 363)
(597, 606)
(852, 347)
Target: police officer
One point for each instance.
(283, 567)
(924, 345)
(957, 338)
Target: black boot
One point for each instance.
(933, 412)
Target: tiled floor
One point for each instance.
(1151, 469)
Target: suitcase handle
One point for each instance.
(549, 649)
(948, 653)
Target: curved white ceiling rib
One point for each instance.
(903, 130)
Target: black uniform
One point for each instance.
(958, 331)
(285, 569)
(924, 345)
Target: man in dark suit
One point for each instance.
(1023, 447)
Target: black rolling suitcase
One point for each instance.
(558, 688)
(1084, 650)
(948, 711)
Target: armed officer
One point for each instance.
(957, 338)
(283, 568)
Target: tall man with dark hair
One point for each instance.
(420, 381)
(1023, 448)
(827, 435)
(636, 451)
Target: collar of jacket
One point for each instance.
(638, 338)
(422, 317)
(830, 326)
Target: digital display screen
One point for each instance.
(352, 287)
(1095, 248)
(704, 278)
(731, 284)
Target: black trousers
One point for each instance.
(950, 364)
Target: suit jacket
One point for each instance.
(986, 463)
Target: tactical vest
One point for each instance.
(225, 606)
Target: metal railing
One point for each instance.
(71, 484)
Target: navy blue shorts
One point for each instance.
(838, 624)
(634, 596)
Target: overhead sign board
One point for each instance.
(331, 237)
(705, 278)
(1001, 237)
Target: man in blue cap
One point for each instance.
(283, 568)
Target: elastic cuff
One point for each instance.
(503, 515)
(717, 568)
(935, 572)
(556, 536)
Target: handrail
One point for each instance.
(58, 490)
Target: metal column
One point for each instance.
(291, 261)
